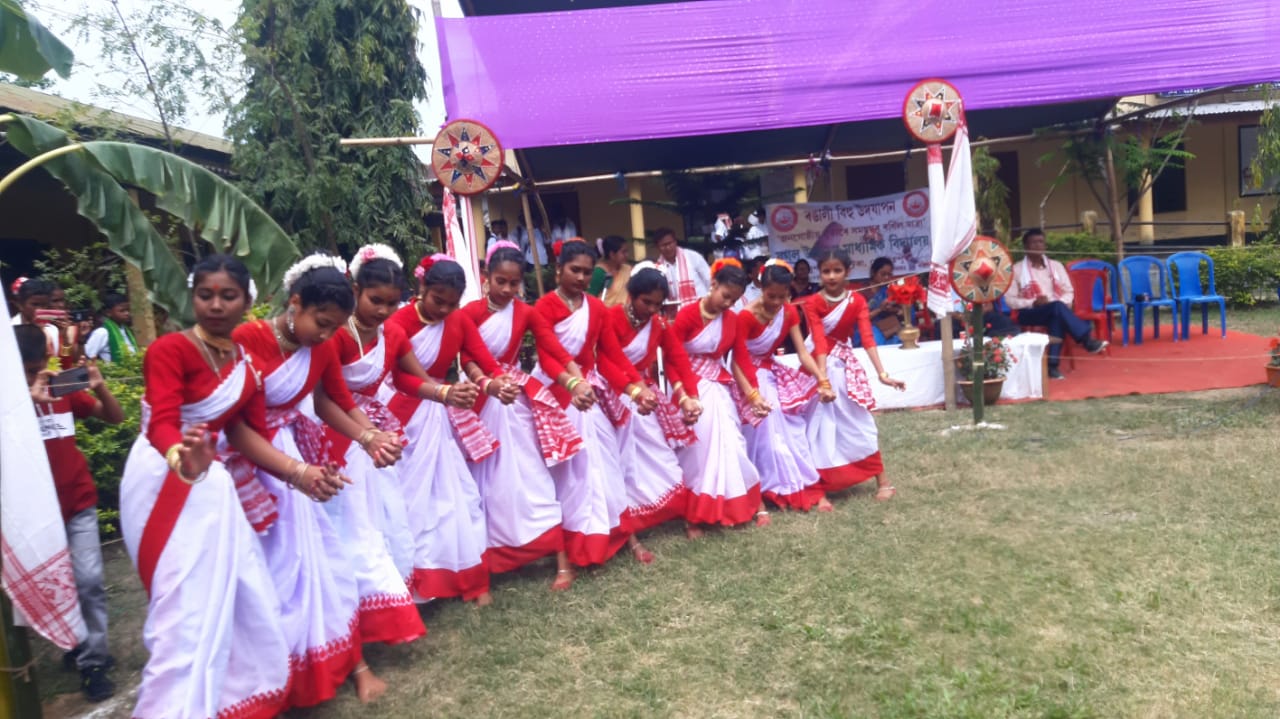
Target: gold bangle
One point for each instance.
(635, 391)
(884, 374)
(753, 395)
(824, 384)
(174, 457)
(447, 389)
(573, 382)
(366, 437)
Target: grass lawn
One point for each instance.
(1101, 558)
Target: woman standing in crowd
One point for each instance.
(446, 515)
(724, 485)
(776, 442)
(655, 484)
(609, 279)
(213, 633)
(369, 515)
(590, 485)
(302, 381)
(842, 434)
(520, 506)
(801, 286)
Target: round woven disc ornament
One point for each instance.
(466, 157)
(932, 111)
(983, 272)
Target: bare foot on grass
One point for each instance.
(484, 600)
(368, 686)
(564, 580)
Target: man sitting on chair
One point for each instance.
(1041, 294)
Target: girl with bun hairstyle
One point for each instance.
(521, 510)
(446, 515)
(777, 442)
(590, 485)
(302, 384)
(842, 434)
(724, 486)
(656, 490)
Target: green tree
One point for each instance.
(319, 71)
(1265, 167)
(27, 48)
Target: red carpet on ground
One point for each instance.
(1161, 365)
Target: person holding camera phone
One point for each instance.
(58, 405)
(115, 337)
(33, 298)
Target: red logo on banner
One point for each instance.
(784, 218)
(915, 203)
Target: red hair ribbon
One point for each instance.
(421, 270)
(556, 247)
(17, 284)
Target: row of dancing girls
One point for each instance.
(221, 639)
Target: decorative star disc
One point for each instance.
(466, 157)
(932, 110)
(983, 272)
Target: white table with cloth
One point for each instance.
(921, 369)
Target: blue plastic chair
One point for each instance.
(1140, 294)
(1188, 290)
(1117, 303)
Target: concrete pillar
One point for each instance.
(635, 193)
(1235, 228)
(799, 177)
(1146, 215)
(481, 240)
(1089, 222)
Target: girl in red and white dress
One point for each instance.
(724, 485)
(520, 506)
(776, 442)
(656, 491)
(446, 514)
(302, 381)
(370, 515)
(213, 630)
(842, 434)
(590, 486)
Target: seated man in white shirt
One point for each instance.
(688, 274)
(1041, 294)
(114, 337)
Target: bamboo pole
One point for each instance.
(533, 242)
(19, 698)
(978, 357)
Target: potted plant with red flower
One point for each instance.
(996, 359)
(905, 293)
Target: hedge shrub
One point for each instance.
(1246, 275)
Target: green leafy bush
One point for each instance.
(1065, 247)
(1248, 275)
(107, 446)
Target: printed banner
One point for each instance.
(894, 226)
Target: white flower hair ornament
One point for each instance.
(644, 265)
(374, 251)
(253, 286)
(306, 264)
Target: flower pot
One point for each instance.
(1273, 375)
(990, 390)
(909, 334)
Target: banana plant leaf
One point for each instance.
(27, 48)
(215, 210)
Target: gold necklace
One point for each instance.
(286, 346)
(706, 316)
(361, 326)
(631, 316)
(417, 307)
(568, 302)
(221, 345)
(494, 308)
(204, 352)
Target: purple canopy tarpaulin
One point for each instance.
(719, 66)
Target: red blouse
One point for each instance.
(675, 360)
(326, 368)
(600, 350)
(751, 327)
(176, 373)
(816, 307)
(459, 336)
(551, 355)
(397, 347)
(689, 324)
